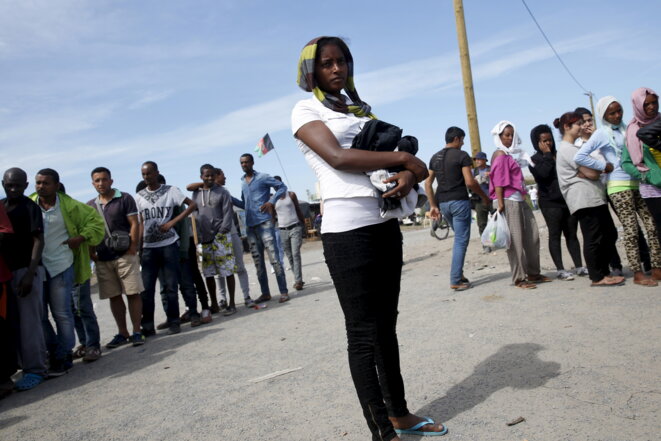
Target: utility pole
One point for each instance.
(467, 75)
(594, 116)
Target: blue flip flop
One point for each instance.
(415, 430)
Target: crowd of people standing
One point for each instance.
(50, 242)
(575, 184)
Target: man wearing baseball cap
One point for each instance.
(482, 210)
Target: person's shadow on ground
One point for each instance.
(516, 365)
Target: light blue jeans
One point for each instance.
(458, 216)
(262, 237)
(291, 241)
(58, 296)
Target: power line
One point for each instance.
(587, 92)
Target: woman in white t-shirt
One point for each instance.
(363, 251)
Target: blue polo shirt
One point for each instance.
(256, 193)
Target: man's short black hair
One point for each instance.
(50, 172)
(152, 163)
(453, 132)
(208, 167)
(218, 170)
(248, 155)
(101, 170)
(277, 178)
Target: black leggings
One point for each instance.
(654, 205)
(560, 222)
(599, 236)
(366, 267)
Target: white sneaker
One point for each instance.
(565, 275)
(581, 271)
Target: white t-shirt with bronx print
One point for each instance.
(156, 208)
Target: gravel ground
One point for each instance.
(577, 363)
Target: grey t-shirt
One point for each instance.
(578, 192)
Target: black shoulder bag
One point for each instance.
(119, 241)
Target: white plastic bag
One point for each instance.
(496, 234)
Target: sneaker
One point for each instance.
(231, 310)
(164, 325)
(298, 286)
(148, 332)
(137, 339)
(486, 249)
(223, 305)
(565, 275)
(175, 328)
(185, 317)
(59, 368)
(29, 381)
(206, 317)
(195, 320)
(92, 354)
(117, 341)
(250, 303)
(582, 271)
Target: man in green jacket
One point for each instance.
(70, 228)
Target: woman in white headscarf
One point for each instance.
(507, 186)
(622, 188)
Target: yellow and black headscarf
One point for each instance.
(307, 82)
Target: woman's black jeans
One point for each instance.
(599, 236)
(366, 267)
(560, 222)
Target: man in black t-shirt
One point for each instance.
(118, 272)
(22, 255)
(452, 170)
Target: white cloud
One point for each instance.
(150, 97)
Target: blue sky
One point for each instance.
(86, 83)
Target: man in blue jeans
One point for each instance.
(259, 205)
(453, 170)
(160, 247)
(70, 228)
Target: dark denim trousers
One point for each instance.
(153, 260)
(87, 327)
(366, 267)
(186, 286)
(58, 293)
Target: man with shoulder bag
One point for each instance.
(117, 261)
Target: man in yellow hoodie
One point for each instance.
(70, 228)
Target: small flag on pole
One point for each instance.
(264, 146)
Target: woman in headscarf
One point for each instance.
(507, 186)
(553, 206)
(622, 188)
(363, 250)
(638, 159)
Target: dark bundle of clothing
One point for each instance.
(380, 136)
(651, 135)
